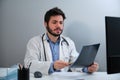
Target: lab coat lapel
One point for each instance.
(64, 51)
(47, 49)
(61, 57)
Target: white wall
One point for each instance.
(23, 19)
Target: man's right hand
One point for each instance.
(59, 64)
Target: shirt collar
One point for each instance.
(48, 39)
(45, 37)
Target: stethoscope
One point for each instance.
(64, 40)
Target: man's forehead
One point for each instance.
(57, 17)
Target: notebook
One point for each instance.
(86, 56)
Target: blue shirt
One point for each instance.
(55, 53)
(54, 49)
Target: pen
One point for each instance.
(23, 68)
(20, 66)
(29, 65)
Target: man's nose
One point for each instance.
(58, 25)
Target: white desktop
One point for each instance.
(78, 76)
(65, 76)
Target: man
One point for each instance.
(53, 52)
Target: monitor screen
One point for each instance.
(113, 44)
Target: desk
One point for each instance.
(78, 76)
(65, 76)
(114, 76)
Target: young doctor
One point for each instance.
(53, 52)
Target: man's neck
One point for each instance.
(53, 38)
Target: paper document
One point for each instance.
(86, 56)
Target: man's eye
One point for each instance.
(54, 22)
(61, 22)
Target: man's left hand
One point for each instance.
(94, 67)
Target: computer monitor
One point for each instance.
(113, 44)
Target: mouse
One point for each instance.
(37, 74)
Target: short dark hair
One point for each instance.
(53, 12)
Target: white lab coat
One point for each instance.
(35, 53)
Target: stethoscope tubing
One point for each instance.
(44, 46)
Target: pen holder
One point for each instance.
(23, 74)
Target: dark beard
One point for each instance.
(50, 31)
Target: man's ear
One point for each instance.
(45, 24)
